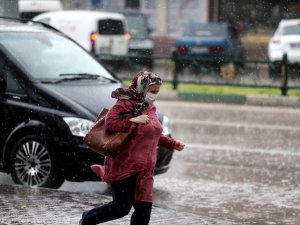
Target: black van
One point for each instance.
(51, 91)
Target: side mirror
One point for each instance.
(3, 85)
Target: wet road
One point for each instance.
(241, 164)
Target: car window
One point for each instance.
(46, 55)
(203, 30)
(108, 27)
(291, 30)
(44, 20)
(233, 32)
(137, 26)
(13, 85)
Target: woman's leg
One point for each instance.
(123, 193)
(142, 213)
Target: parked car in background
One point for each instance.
(141, 45)
(213, 41)
(31, 8)
(98, 32)
(51, 91)
(285, 41)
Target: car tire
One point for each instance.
(32, 163)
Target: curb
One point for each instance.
(258, 100)
(217, 98)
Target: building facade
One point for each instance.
(257, 14)
(167, 17)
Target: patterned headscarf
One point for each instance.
(138, 88)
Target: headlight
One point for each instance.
(78, 127)
(165, 125)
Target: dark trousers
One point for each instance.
(123, 193)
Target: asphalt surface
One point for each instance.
(33, 206)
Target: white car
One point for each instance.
(98, 32)
(286, 40)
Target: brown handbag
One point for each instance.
(105, 142)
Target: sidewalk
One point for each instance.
(40, 206)
(258, 100)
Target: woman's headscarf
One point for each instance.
(138, 88)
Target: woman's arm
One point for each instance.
(166, 142)
(113, 121)
(170, 143)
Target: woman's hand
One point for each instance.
(179, 145)
(141, 119)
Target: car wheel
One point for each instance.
(32, 163)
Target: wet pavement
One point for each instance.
(39, 206)
(240, 166)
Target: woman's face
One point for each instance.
(151, 94)
(154, 89)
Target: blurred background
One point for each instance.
(256, 19)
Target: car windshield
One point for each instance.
(203, 30)
(137, 26)
(46, 55)
(291, 30)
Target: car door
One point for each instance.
(11, 101)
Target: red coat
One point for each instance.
(139, 155)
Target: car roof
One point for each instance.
(285, 22)
(18, 25)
